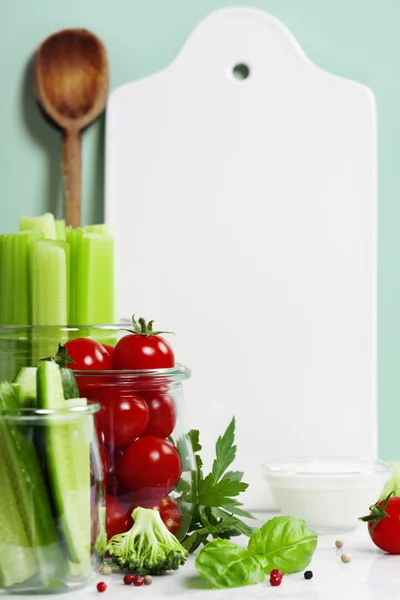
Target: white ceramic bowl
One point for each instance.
(328, 493)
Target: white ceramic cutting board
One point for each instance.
(245, 216)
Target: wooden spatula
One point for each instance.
(71, 84)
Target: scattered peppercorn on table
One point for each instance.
(369, 575)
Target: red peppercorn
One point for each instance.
(275, 577)
(129, 579)
(101, 586)
(139, 580)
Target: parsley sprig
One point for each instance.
(217, 509)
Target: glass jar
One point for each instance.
(23, 345)
(146, 452)
(52, 516)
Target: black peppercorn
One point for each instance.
(308, 575)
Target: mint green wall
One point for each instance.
(358, 39)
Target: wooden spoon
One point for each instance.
(71, 84)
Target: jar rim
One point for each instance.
(32, 414)
(178, 372)
(101, 326)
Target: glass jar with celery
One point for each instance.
(51, 277)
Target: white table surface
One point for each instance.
(370, 575)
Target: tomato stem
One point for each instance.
(62, 358)
(378, 512)
(140, 327)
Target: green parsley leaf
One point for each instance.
(215, 494)
(236, 524)
(234, 508)
(225, 451)
(194, 436)
(233, 475)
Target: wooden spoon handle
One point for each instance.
(72, 176)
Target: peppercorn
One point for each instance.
(275, 577)
(106, 569)
(308, 575)
(339, 544)
(346, 558)
(138, 580)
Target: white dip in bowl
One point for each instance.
(328, 493)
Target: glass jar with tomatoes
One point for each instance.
(146, 453)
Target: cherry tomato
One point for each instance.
(386, 533)
(88, 354)
(143, 349)
(110, 349)
(169, 512)
(162, 414)
(123, 416)
(150, 467)
(117, 518)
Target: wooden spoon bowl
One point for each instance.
(71, 84)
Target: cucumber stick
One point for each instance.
(26, 379)
(68, 464)
(26, 520)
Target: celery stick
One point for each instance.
(73, 238)
(101, 229)
(44, 223)
(95, 279)
(60, 230)
(5, 279)
(49, 282)
(14, 269)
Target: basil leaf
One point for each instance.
(284, 543)
(226, 565)
(225, 451)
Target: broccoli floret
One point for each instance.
(148, 548)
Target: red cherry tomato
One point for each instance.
(169, 512)
(135, 351)
(122, 418)
(88, 354)
(386, 533)
(117, 518)
(162, 414)
(110, 349)
(150, 467)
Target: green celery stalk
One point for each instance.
(73, 237)
(101, 229)
(15, 276)
(61, 230)
(50, 265)
(44, 223)
(5, 274)
(95, 279)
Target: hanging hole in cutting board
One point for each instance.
(241, 71)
